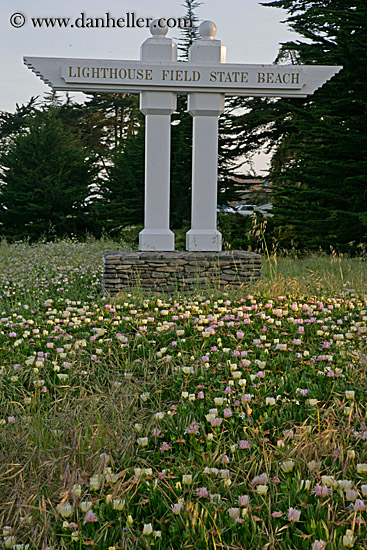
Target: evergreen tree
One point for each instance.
(181, 155)
(327, 175)
(13, 123)
(45, 181)
(181, 165)
(120, 117)
(319, 143)
(122, 191)
(190, 32)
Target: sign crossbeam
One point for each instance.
(91, 75)
(158, 77)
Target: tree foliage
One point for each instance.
(319, 143)
(121, 201)
(46, 179)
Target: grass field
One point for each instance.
(232, 420)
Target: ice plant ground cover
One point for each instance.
(229, 420)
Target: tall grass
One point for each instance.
(108, 405)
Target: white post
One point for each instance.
(157, 107)
(205, 109)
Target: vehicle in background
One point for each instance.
(251, 209)
(265, 210)
(225, 209)
(246, 209)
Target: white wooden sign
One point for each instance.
(158, 77)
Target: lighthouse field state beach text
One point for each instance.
(143, 75)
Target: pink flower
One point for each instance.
(202, 492)
(260, 374)
(227, 413)
(359, 506)
(216, 421)
(90, 517)
(225, 459)
(319, 545)
(243, 444)
(193, 429)
(165, 446)
(201, 395)
(321, 490)
(293, 514)
(243, 500)
(260, 480)
(277, 514)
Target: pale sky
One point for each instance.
(251, 32)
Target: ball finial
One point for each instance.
(208, 30)
(158, 28)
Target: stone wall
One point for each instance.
(175, 271)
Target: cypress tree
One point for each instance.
(45, 181)
(319, 144)
(122, 191)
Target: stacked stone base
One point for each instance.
(170, 272)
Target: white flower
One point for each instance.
(348, 539)
(77, 490)
(65, 510)
(234, 513)
(187, 479)
(349, 394)
(176, 508)
(86, 506)
(329, 481)
(305, 484)
(262, 489)
(362, 468)
(287, 466)
(270, 401)
(95, 482)
(148, 529)
(143, 441)
(345, 484)
(312, 402)
(9, 542)
(186, 370)
(351, 495)
(118, 504)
